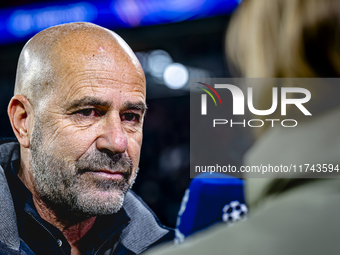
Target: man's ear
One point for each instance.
(20, 112)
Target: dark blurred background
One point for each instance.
(175, 41)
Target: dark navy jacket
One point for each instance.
(132, 230)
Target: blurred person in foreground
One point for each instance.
(77, 114)
(286, 39)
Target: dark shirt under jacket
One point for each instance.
(103, 238)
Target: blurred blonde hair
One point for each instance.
(285, 38)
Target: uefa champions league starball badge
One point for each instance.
(233, 212)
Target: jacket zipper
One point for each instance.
(62, 251)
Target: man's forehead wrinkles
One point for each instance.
(97, 74)
(76, 89)
(84, 83)
(86, 86)
(94, 100)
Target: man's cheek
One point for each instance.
(69, 144)
(54, 130)
(134, 148)
(136, 138)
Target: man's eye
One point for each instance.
(130, 117)
(88, 112)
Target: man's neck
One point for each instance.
(73, 230)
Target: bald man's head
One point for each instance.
(49, 57)
(78, 114)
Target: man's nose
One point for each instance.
(112, 136)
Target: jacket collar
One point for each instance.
(144, 228)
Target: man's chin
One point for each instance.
(101, 202)
(87, 203)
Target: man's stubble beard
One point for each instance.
(71, 187)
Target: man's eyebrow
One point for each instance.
(135, 106)
(85, 101)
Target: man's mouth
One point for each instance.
(109, 174)
(116, 167)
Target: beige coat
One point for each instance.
(287, 216)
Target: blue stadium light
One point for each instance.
(18, 24)
(26, 22)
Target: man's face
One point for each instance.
(87, 135)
